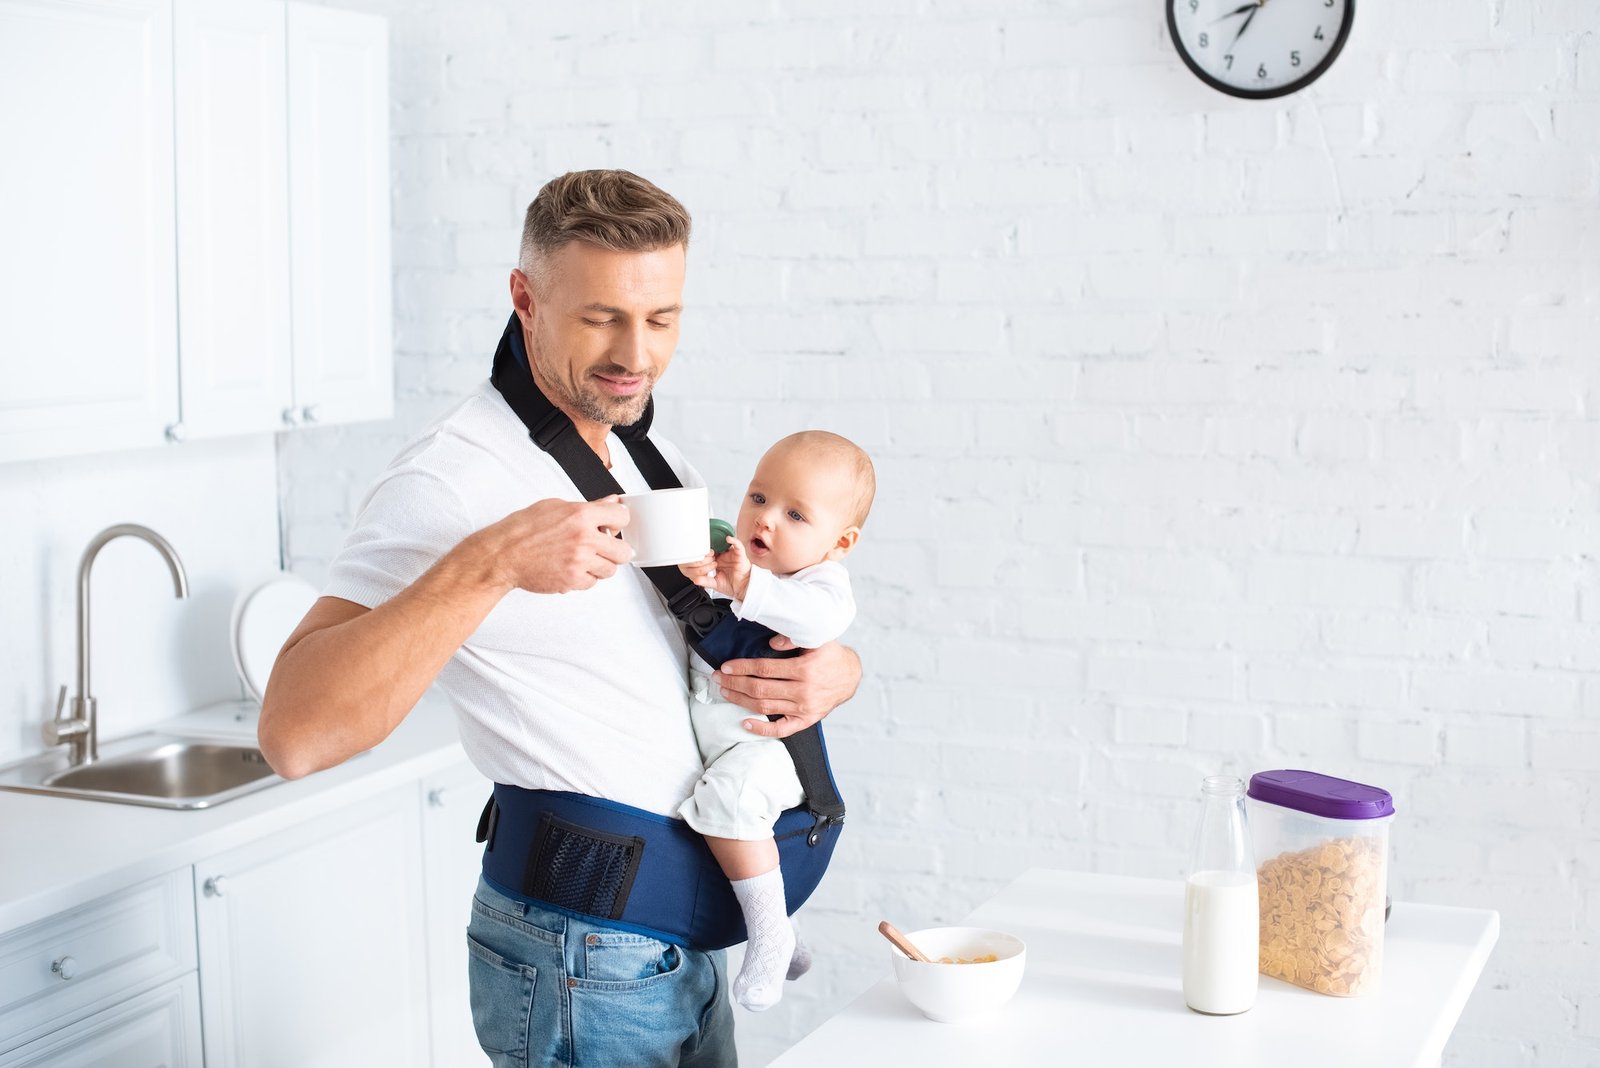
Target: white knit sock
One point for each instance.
(771, 944)
(800, 959)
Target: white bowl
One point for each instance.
(952, 993)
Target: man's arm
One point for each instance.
(801, 689)
(348, 675)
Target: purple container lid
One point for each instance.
(1321, 795)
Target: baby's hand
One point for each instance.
(703, 572)
(728, 573)
(733, 570)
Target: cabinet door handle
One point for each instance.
(65, 967)
(177, 432)
(308, 414)
(291, 417)
(442, 796)
(215, 886)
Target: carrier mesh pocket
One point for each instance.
(584, 870)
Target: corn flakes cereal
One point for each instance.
(1322, 916)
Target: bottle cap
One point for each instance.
(721, 531)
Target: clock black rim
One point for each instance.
(1262, 94)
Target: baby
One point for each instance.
(801, 516)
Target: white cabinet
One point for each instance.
(159, 1029)
(283, 216)
(233, 215)
(111, 982)
(339, 215)
(325, 930)
(311, 944)
(66, 967)
(452, 857)
(87, 328)
(196, 208)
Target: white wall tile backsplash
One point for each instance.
(153, 656)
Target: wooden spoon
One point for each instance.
(901, 942)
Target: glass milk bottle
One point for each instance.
(1221, 910)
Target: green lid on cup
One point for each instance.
(721, 531)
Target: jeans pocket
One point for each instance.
(502, 1003)
(619, 957)
(625, 1015)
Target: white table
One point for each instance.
(1103, 987)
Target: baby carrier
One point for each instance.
(606, 861)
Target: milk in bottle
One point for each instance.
(1221, 917)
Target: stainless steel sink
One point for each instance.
(161, 770)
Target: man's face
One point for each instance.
(601, 327)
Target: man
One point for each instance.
(565, 669)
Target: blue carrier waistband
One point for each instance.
(634, 869)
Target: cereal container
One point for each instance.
(1323, 849)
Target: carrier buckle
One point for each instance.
(695, 610)
(549, 428)
(818, 828)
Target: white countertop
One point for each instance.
(1103, 987)
(58, 852)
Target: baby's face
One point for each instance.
(795, 511)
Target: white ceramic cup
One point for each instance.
(668, 526)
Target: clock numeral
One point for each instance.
(1318, 34)
(1229, 58)
(1205, 40)
(1294, 59)
(1261, 71)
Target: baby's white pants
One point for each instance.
(748, 780)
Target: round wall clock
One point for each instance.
(1262, 48)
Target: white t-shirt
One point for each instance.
(584, 691)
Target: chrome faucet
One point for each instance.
(80, 729)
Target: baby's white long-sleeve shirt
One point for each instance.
(811, 607)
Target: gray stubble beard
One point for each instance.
(591, 406)
(618, 412)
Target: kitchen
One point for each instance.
(1264, 427)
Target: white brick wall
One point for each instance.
(1212, 434)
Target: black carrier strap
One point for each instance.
(552, 431)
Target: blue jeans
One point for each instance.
(550, 989)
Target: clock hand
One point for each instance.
(1242, 27)
(1240, 10)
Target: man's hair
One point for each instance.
(614, 210)
(851, 458)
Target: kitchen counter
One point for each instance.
(1103, 986)
(58, 852)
